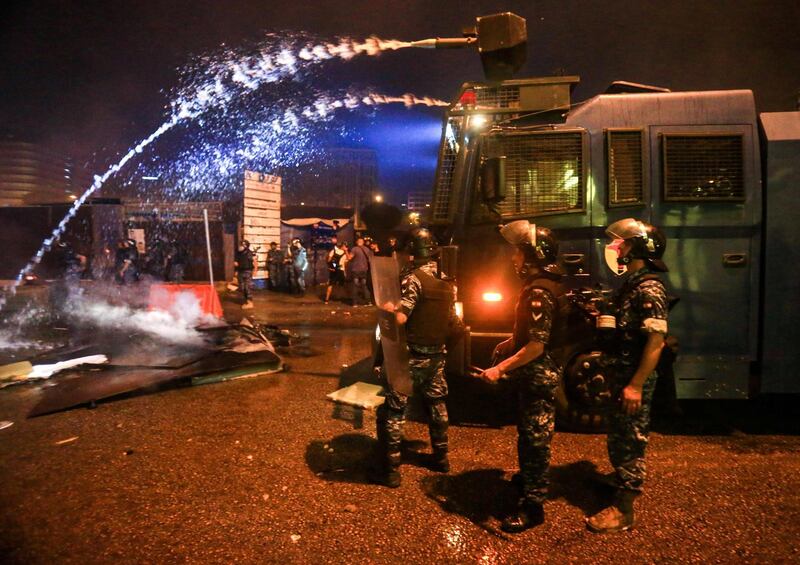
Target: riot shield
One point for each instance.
(386, 285)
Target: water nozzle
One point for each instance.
(502, 41)
(445, 42)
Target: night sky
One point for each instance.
(91, 78)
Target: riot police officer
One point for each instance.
(427, 310)
(72, 264)
(275, 265)
(127, 262)
(245, 263)
(527, 356)
(641, 303)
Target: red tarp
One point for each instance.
(162, 297)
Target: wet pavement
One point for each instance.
(265, 469)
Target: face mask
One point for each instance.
(613, 260)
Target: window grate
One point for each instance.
(625, 168)
(447, 162)
(544, 173)
(703, 167)
(497, 96)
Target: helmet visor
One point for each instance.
(626, 229)
(520, 232)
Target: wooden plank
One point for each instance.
(262, 213)
(256, 176)
(263, 198)
(261, 188)
(258, 231)
(262, 204)
(262, 194)
(254, 221)
(251, 188)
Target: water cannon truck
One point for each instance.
(720, 180)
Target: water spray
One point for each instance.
(230, 78)
(500, 39)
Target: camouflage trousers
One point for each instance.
(427, 373)
(627, 440)
(245, 283)
(537, 383)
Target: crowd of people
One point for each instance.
(348, 267)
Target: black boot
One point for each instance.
(439, 461)
(438, 431)
(528, 515)
(385, 475)
(386, 470)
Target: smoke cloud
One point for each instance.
(176, 325)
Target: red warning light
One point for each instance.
(468, 98)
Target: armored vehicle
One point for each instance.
(719, 179)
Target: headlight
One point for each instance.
(492, 297)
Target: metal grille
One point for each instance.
(625, 171)
(544, 173)
(447, 161)
(703, 167)
(497, 96)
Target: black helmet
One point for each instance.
(647, 241)
(422, 244)
(538, 244)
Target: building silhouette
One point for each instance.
(32, 174)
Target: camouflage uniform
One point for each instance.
(642, 309)
(426, 365)
(537, 383)
(244, 272)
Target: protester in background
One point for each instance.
(176, 260)
(337, 258)
(157, 259)
(299, 265)
(103, 264)
(390, 249)
(245, 263)
(359, 259)
(373, 246)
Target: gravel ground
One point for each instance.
(265, 469)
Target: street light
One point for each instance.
(378, 198)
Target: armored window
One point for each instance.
(544, 173)
(625, 167)
(706, 167)
(497, 96)
(443, 190)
